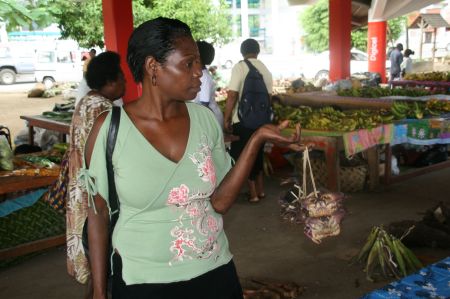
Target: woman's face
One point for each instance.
(179, 77)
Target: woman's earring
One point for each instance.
(154, 80)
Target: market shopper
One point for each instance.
(105, 78)
(249, 50)
(173, 177)
(396, 58)
(406, 65)
(207, 94)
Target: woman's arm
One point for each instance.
(98, 224)
(226, 193)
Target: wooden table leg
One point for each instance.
(30, 135)
(388, 164)
(373, 162)
(333, 165)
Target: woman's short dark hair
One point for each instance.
(249, 46)
(409, 52)
(102, 69)
(153, 38)
(206, 51)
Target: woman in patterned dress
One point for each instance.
(173, 177)
(104, 76)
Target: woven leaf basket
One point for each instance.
(352, 178)
(30, 224)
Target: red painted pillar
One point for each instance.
(377, 48)
(118, 25)
(340, 38)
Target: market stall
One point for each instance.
(28, 221)
(366, 120)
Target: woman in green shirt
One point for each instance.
(173, 178)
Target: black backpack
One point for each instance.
(254, 108)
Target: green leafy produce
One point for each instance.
(6, 155)
(61, 147)
(40, 161)
(378, 92)
(63, 116)
(385, 254)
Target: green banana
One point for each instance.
(410, 255)
(399, 258)
(371, 261)
(369, 243)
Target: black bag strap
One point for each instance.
(251, 66)
(110, 144)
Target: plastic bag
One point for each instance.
(6, 155)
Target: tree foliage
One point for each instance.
(315, 24)
(83, 20)
(20, 14)
(314, 21)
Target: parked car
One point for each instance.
(57, 66)
(15, 62)
(318, 67)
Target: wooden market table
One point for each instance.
(431, 85)
(45, 123)
(331, 143)
(20, 183)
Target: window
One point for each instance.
(230, 3)
(64, 57)
(254, 3)
(254, 25)
(428, 37)
(46, 57)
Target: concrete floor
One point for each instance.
(265, 247)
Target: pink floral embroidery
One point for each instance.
(208, 170)
(212, 224)
(179, 196)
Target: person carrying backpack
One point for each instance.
(248, 108)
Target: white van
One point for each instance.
(61, 65)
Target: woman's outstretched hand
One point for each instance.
(272, 133)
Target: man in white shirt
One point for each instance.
(207, 94)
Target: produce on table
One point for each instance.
(40, 161)
(329, 118)
(6, 155)
(431, 76)
(378, 92)
(60, 147)
(386, 255)
(333, 119)
(63, 116)
(35, 172)
(419, 109)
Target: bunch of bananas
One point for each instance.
(387, 253)
(419, 109)
(437, 107)
(430, 76)
(405, 109)
(378, 92)
(331, 119)
(306, 88)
